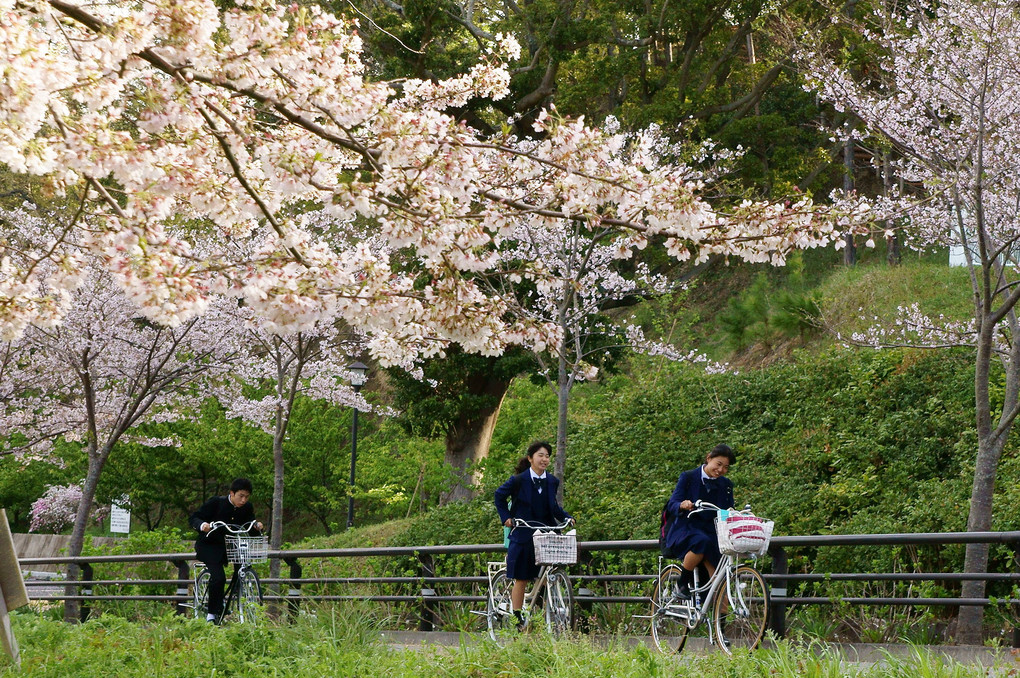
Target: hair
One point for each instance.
(524, 463)
(722, 450)
(241, 484)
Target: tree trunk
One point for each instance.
(970, 619)
(467, 443)
(562, 402)
(97, 459)
(276, 522)
(849, 249)
(892, 241)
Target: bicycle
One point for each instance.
(244, 591)
(736, 594)
(553, 551)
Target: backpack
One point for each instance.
(666, 521)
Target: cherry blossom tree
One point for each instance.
(586, 274)
(944, 93)
(311, 362)
(175, 110)
(102, 372)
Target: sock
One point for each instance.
(686, 577)
(210, 616)
(519, 615)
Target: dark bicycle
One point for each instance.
(243, 596)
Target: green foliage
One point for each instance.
(167, 540)
(763, 313)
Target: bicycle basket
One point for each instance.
(555, 549)
(245, 550)
(743, 535)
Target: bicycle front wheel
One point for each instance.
(671, 614)
(559, 603)
(200, 594)
(249, 597)
(742, 610)
(498, 610)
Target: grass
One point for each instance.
(854, 297)
(345, 641)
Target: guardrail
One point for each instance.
(425, 582)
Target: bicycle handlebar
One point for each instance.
(232, 529)
(701, 505)
(520, 522)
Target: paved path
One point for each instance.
(858, 653)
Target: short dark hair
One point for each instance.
(723, 450)
(537, 445)
(241, 484)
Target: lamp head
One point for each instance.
(359, 374)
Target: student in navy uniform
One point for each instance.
(531, 493)
(692, 537)
(211, 548)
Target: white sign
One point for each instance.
(120, 518)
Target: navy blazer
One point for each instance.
(690, 487)
(525, 496)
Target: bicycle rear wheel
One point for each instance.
(671, 614)
(741, 617)
(559, 603)
(498, 610)
(249, 597)
(200, 594)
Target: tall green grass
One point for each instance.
(347, 642)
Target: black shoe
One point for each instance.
(684, 591)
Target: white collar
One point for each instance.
(704, 476)
(534, 475)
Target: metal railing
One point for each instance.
(423, 586)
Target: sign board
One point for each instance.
(120, 517)
(12, 586)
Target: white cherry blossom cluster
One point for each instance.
(234, 120)
(912, 327)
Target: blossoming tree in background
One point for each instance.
(587, 272)
(312, 363)
(101, 372)
(944, 92)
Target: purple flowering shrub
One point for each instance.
(57, 508)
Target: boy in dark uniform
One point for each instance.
(210, 547)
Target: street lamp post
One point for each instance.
(359, 375)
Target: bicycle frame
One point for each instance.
(704, 596)
(532, 596)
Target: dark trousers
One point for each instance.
(217, 582)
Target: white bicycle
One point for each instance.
(733, 603)
(551, 590)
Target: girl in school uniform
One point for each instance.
(693, 538)
(529, 494)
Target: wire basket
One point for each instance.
(743, 535)
(555, 549)
(245, 550)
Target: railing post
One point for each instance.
(428, 607)
(1016, 608)
(584, 596)
(777, 611)
(183, 579)
(86, 590)
(294, 592)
